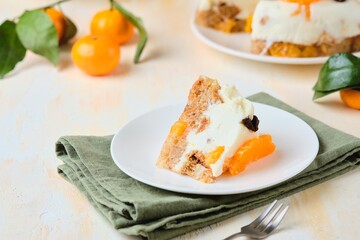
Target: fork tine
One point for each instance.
(265, 224)
(269, 218)
(259, 219)
(276, 222)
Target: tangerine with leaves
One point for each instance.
(340, 73)
(58, 20)
(113, 24)
(96, 55)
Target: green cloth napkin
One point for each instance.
(135, 208)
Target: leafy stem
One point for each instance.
(52, 4)
(136, 21)
(43, 7)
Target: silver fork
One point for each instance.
(263, 225)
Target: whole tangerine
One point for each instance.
(113, 24)
(96, 55)
(351, 97)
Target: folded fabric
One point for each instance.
(135, 208)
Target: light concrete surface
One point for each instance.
(40, 102)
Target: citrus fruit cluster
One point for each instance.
(43, 30)
(99, 52)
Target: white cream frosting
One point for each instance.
(206, 5)
(274, 21)
(247, 6)
(225, 128)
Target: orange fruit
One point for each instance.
(58, 20)
(250, 151)
(285, 50)
(226, 25)
(96, 55)
(113, 24)
(214, 155)
(351, 98)
(248, 26)
(178, 128)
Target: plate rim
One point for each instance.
(204, 191)
(254, 57)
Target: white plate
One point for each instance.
(136, 146)
(239, 44)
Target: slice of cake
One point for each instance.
(226, 15)
(306, 28)
(216, 133)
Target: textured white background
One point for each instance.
(40, 102)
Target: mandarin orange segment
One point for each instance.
(309, 51)
(252, 150)
(285, 50)
(226, 26)
(306, 4)
(178, 128)
(214, 155)
(248, 26)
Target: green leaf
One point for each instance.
(137, 22)
(38, 34)
(341, 71)
(318, 94)
(11, 49)
(70, 31)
